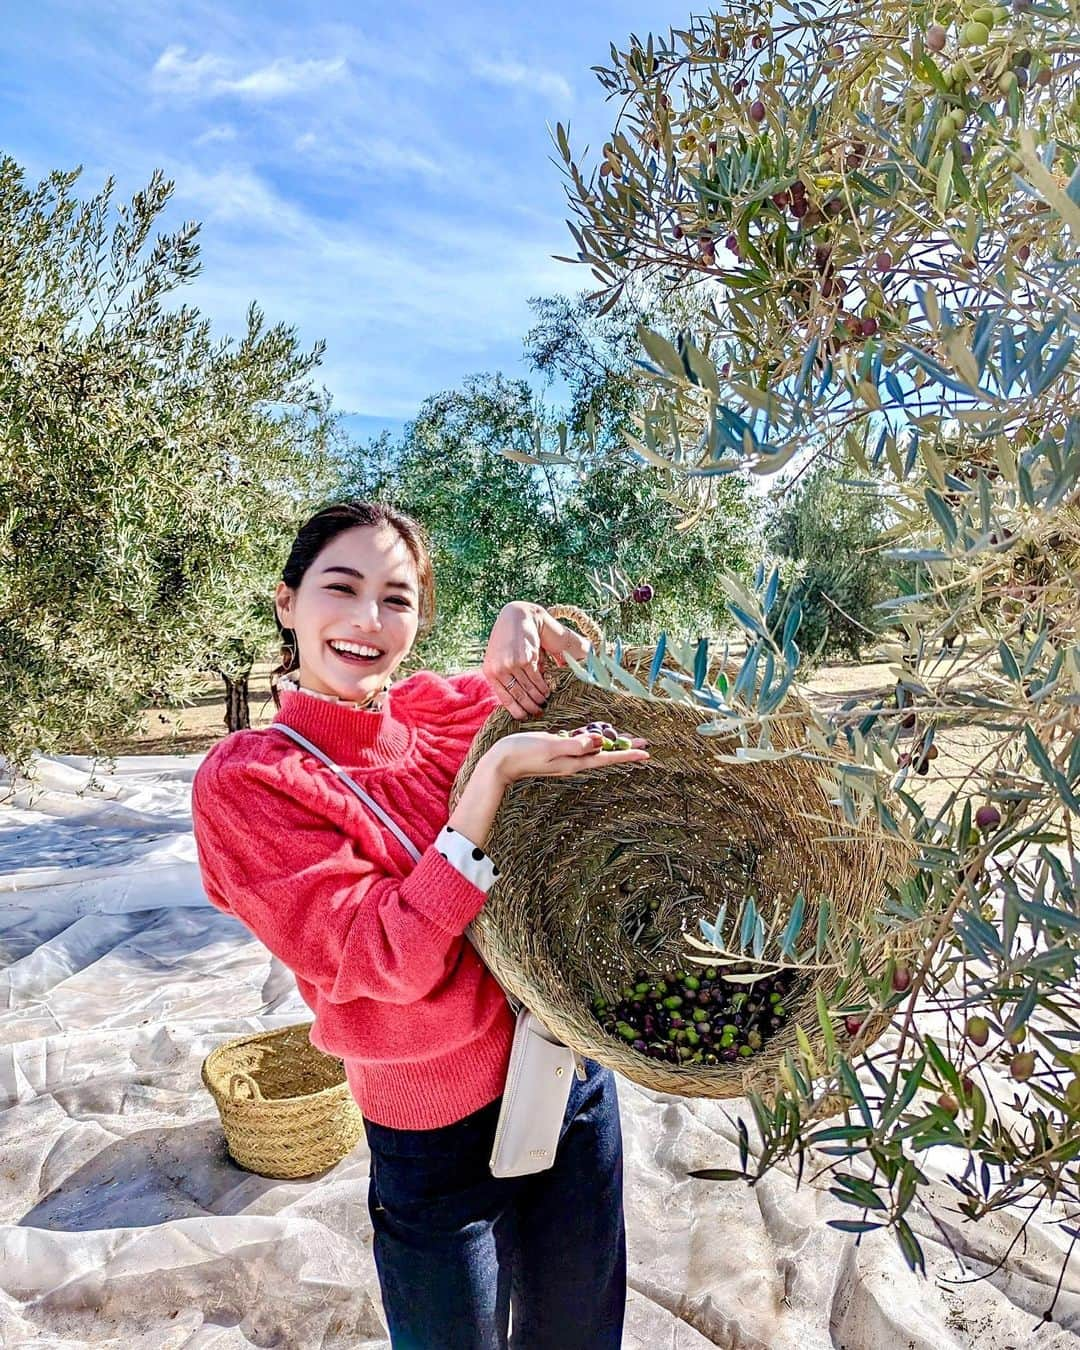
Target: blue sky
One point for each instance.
(378, 175)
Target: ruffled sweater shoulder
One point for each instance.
(375, 940)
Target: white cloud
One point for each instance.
(240, 195)
(517, 75)
(210, 76)
(382, 156)
(405, 312)
(214, 135)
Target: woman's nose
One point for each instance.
(366, 616)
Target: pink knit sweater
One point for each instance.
(375, 942)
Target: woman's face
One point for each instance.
(360, 592)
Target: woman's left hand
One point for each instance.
(522, 633)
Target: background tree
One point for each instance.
(831, 538)
(887, 195)
(148, 474)
(489, 520)
(582, 528)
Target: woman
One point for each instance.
(376, 943)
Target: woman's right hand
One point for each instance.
(543, 754)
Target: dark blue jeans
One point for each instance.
(456, 1248)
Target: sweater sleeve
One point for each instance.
(473, 686)
(303, 888)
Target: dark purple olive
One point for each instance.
(987, 817)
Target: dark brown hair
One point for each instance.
(316, 533)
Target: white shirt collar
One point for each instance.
(287, 683)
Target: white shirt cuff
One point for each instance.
(472, 862)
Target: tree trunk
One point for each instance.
(237, 716)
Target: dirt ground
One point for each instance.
(195, 727)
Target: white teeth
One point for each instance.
(355, 649)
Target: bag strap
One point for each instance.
(369, 801)
(391, 824)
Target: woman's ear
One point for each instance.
(283, 598)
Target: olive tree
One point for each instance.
(884, 201)
(149, 473)
(584, 524)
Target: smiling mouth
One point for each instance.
(356, 658)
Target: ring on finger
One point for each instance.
(510, 682)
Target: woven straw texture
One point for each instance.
(285, 1106)
(581, 857)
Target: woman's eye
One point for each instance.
(348, 590)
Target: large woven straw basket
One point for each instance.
(285, 1106)
(581, 857)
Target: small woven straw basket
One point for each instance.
(581, 858)
(285, 1106)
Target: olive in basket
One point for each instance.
(696, 1019)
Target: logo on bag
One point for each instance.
(538, 1153)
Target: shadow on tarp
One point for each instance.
(153, 1177)
(83, 843)
(155, 939)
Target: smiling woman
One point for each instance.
(356, 615)
(369, 909)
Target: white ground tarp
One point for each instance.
(123, 1222)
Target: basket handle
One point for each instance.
(579, 619)
(239, 1076)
